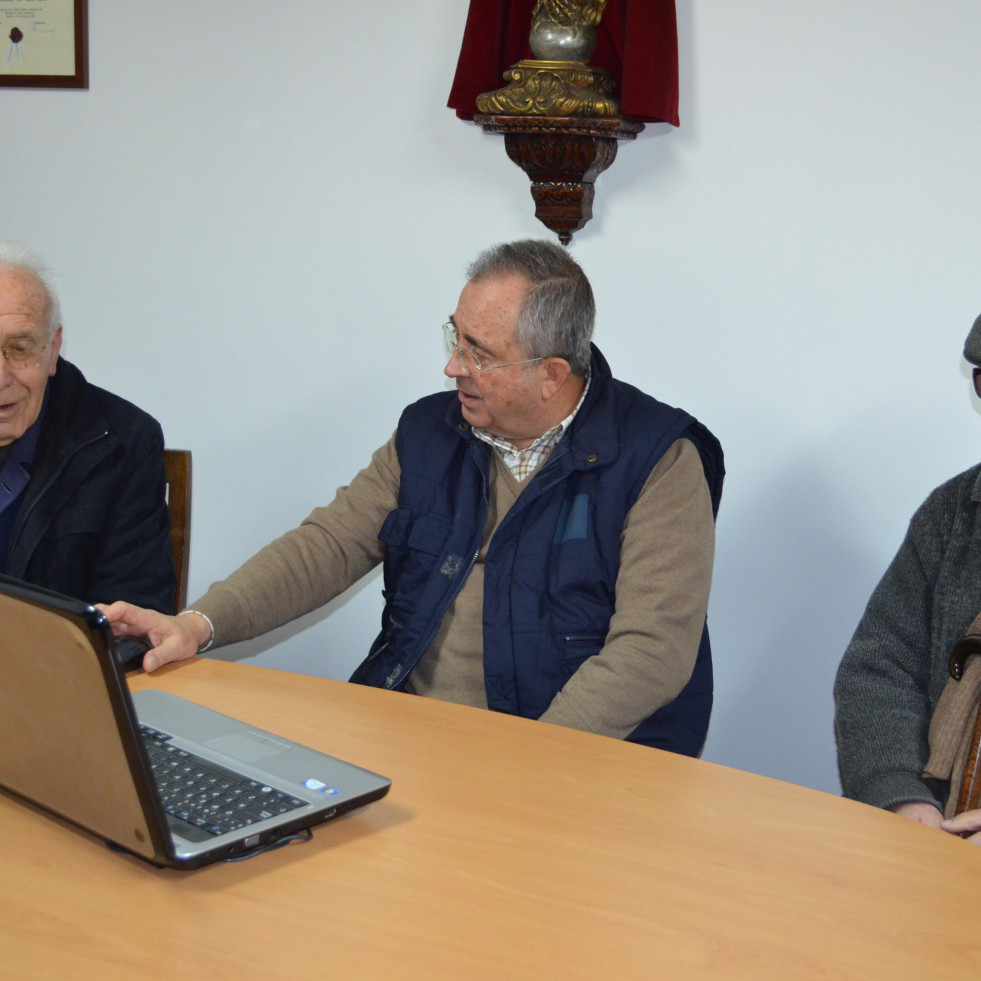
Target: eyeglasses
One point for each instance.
(470, 358)
(23, 352)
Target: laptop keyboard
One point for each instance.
(211, 799)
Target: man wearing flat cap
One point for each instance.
(894, 689)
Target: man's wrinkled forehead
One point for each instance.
(24, 302)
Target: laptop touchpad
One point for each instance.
(248, 746)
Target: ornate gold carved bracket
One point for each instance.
(552, 88)
(559, 119)
(563, 156)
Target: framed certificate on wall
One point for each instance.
(44, 43)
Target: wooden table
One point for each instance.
(506, 849)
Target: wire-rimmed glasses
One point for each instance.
(470, 358)
(23, 352)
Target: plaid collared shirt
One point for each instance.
(526, 461)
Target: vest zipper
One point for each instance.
(463, 579)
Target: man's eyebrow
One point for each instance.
(464, 336)
(471, 340)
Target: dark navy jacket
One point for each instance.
(92, 522)
(551, 567)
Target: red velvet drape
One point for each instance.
(636, 42)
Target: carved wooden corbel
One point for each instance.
(559, 119)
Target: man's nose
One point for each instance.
(455, 367)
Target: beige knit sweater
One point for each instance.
(667, 549)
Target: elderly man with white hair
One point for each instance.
(82, 497)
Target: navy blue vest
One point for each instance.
(551, 567)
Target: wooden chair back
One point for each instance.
(177, 465)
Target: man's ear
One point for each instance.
(557, 371)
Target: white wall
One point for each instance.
(260, 215)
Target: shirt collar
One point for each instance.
(523, 462)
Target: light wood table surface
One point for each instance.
(505, 849)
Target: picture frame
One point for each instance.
(44, 44)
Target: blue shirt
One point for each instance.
(15, 475)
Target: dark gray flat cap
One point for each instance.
(972, 346)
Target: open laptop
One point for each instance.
(129, 767)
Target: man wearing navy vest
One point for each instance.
(547, 532)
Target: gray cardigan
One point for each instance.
(895, 667)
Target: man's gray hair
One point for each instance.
(24, 257)
(558, 312)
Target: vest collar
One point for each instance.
(591, 439)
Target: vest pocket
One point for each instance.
(427, 533)
(577, 648)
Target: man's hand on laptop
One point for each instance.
(171, 638)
